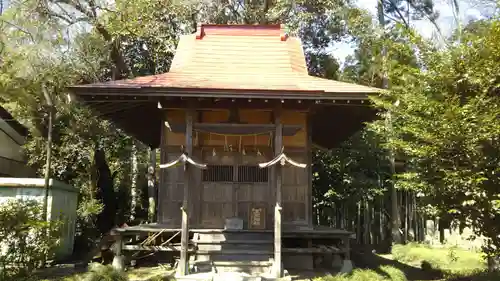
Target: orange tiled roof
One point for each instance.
(239, 57)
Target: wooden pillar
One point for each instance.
(183, 266)
(118, 259)
(309, 209)
(163, 176)
(278, 145)
(152, 186)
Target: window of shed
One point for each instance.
(218, 173)
(252, 174)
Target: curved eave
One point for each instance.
(333, 125)
(154, 93)
(336, 116)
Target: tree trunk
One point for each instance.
(152, 186)
(441, 231)
(406, 214)
(358, 223)
(366, 223)
(494, 263)
(48, 165)
(51, 109)
(133, 184)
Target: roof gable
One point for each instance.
(238, 57)
(239, 50)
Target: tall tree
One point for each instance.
(447, 124)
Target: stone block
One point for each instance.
(302, 262)
(234, 224)
(337, 262)
(119, 263)
(347, 267)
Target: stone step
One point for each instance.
(196, 277)
(250, 267)
(225, 263)
(224, 276)
(217, 256)
(233, 247)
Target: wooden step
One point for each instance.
(233, 236)
(326, 250)
(231, 263)
(314, 250)
(249, 267)
(234, 252)
(198, 242)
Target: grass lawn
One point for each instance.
(412, 262)
(155, 273)
(418, 262)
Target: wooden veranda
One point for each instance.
(235, 119)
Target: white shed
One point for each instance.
(62, 201)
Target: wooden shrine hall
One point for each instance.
(236, 119)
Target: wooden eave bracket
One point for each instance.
(183, 159)
(282, 159)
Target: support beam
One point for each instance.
(183, 266)
(278, 145)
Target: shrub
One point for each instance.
(383, 273)
(99, 272)
(26, 239)
(162, 278)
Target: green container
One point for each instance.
(62, 202)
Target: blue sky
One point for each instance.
(446, 21)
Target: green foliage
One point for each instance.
(356, 170)
(82, 42)
(100, 272)
(448, 259)
(78, 134)
(26, 239)
(446, 123)
(162, 278)
(384, 273)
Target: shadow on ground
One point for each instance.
(147, 271)
(60, 272)
(370, 261)
(478, 276)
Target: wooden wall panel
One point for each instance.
(214, 116)
(216, 204)
(254, 195)
(295, 118)
(220, 157)
(175, 116)
(295, 191)
(212, 203)
(246, 116)
(255, 116)
(170, 193)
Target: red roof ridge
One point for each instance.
(241, 30)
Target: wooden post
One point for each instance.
(278, 145)
(183, 266)
(309, 209)
(118, 259)
(152, 185)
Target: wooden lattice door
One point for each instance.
(217, 190)
(253, 191)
